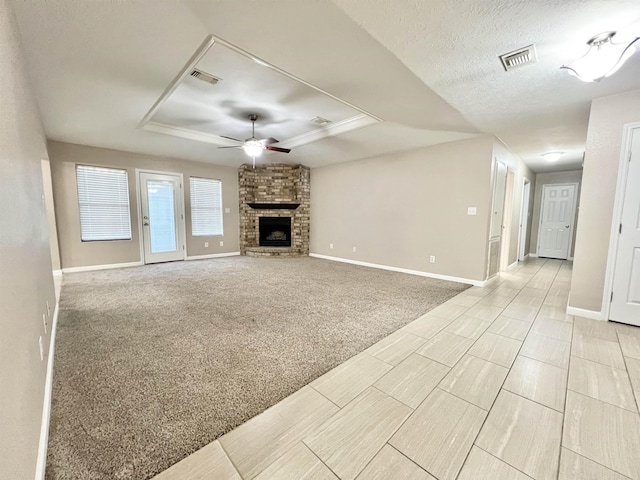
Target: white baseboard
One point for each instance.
(512, 266)
(591, 314)
(477, 283)
(533, 255)
(100, 267)
(213, 255)
(41, 464)
(57, 273)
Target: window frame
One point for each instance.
(217, 181)
(80, 204)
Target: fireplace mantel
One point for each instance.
(274, 206)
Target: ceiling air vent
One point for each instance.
(519, 58)
(205, 77)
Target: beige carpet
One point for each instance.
(154, 362)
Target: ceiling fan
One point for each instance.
(253, 146)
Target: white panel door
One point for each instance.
(162, 219)
(556, 220)
(625, 305)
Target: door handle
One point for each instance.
(567, 226)
(146, 224)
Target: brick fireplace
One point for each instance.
(274, 210)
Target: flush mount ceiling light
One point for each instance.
(552, 156)
(603, 59)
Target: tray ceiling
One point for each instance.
(287, 107)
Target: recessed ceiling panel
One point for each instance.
(199, 108)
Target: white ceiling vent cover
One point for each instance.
(519, 58)
(205, 77)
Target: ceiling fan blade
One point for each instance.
(239, 146)
(277, 149)
(269, 141)
(230, 138)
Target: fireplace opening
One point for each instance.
(275, 231)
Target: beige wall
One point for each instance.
(26, 281)
(399, 209)
(75, 253)
(600, 174)
(520, 171)
(51, 214)
(571, 176)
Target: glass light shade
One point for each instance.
(253, 148)
(552, 156)
(603, 59)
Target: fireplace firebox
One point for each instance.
(275, 231)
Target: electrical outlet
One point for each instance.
(472, 211)
(206, 244)
(331, 246)
(44, 322)
(41, 348)
(227, 210)
(432, 259)
(221, 243)
(354, 249)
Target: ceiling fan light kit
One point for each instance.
(254, 147)
(603, 58)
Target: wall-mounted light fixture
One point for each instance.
(603, 58)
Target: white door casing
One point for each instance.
(524, 219)
(557, 215)
(497, 213)
(625, 299)
(161, 216)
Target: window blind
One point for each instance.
(103, 197)
(206, 206)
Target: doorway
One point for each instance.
(557, 218)
(524, 220)
(507, 219)
(161, 216)
(625, 292)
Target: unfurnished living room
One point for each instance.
(320, 239)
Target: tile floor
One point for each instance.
(497, 383)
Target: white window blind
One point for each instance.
(206, 206)
(103, 196)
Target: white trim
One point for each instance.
(41, 464)
(623, 167)
(477, 283)
(532, 255)
(57, 273)
(524, 217)
(591, 314)
(213, 255)
(512, 266)
(182, 223)
(570, 259)
(90, 268)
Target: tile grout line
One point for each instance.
(496, 398)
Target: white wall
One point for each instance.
(599, 178)
(26, 281)
(397, 210)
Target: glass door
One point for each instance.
(162, 219)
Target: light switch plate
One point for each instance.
(472, 211)
(227, 210)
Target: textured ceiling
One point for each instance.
(429, 69)
(454, 47)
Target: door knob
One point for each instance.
(566, 226)
(146, 224)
